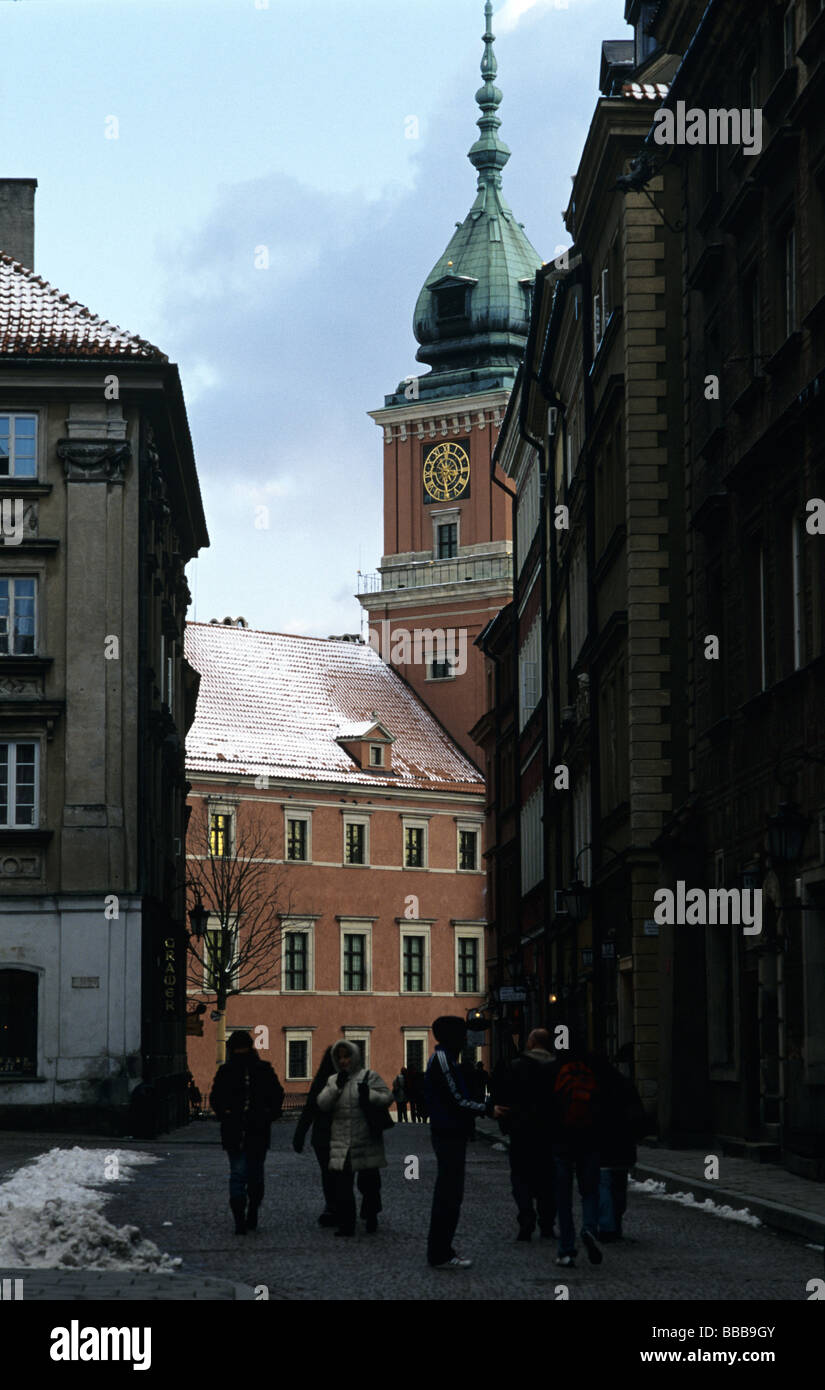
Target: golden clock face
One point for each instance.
(446, 471)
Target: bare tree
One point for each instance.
(231, 875)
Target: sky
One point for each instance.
(240, 182)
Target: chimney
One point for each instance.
(17, 219)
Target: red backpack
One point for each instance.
(576, 1090)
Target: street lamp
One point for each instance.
(198, 918)
(787, 829)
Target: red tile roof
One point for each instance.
(270, 703)
(36, 320)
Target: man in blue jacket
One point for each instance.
(452, 1123)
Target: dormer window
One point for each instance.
(451, 303)
(376, 755)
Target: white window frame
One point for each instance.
(356, 926)
(22, 415)
(12, 579)
(12, 823)
(415, 1035)
(413, 928)
(470, 934)
(379, 749)
(450, 516)
(532, 843)
(415, 823)
(290, 928)
(465, 826)
(349, 819)
(303, 1035)
(530, 673)
(291, 813)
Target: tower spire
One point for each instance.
(489, 154)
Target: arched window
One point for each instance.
(18, 1022)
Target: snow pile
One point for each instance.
(50, 1214)
(651, 1188)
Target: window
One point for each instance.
(296, 960)
(468, 965)
(529, 664)
(18, 1022)
(468, 849)
(440, 671)
(532, 847)
(296, 840)
(17, 617)
(753, 314)
(18, 439)
(376, 755)
(413, 955)
(451, 303)
(298, 1057)
(447, 540)
(220, 957)
(359, 1040)
(355, 842)
(578, 603)
(220, 835)
(355, 962)
(414, 847)
(597, 322)
(580, 867)
(528, 511)
(414, 1053)
(790, 281)
(605, 298)
(18, 784)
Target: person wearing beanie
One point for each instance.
(246, 1096)
(452, 1122)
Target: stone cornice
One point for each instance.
(436, 420)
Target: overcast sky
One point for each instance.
(244, 125)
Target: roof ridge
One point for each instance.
(268, 632)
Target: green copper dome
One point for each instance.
(473, 314)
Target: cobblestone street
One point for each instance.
(672, 1253)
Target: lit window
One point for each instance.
(17, 617)
(18, 439)
(18, 784)
(220, 835)
(414, 847)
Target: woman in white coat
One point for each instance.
(353, 1147)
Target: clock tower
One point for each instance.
(447, 566)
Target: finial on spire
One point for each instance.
(489, 154)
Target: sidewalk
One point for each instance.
(780, 1199)
(110, 1286)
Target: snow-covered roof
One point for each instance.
(36, 320)
(275, 704)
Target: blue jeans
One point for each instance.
(585, 1164)
(245, 1171)
(612, 1199)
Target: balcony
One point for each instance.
(429, 574)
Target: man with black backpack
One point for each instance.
(523, 1094)
(578, 1107)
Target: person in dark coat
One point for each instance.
(523, 1094)
(623, 1121)
(452, 1115)
(414, 1094)
(319, 1123)
(246, 1096)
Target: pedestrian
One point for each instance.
(576, 1125)
(355, 1149)
(523, 1094)
(623, 1121)
(195, 1097)
(399, 1095)
(319, 1122)
(483, 1080)
(413, 1089)
(452, 1122)
(246, 1096)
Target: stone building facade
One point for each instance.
(96, 466)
